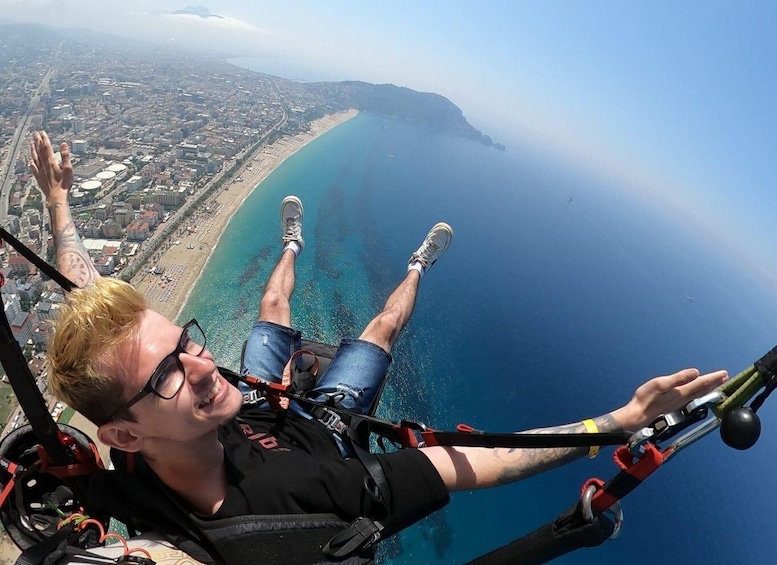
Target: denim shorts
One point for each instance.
(354, 377)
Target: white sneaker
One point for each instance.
(291, 220)
(435, 244)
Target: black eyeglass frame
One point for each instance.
(175, 355)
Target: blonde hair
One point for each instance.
(91, 324)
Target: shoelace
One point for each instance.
(292, 228)
(424, 255)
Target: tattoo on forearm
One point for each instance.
(520, 463)
(73, 259)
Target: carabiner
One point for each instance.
(615, 510)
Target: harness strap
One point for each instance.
(405, 433)
(53, 546)
(89, 462)
(14, 470)
(51, 549)
(527, 440)
(630, 477)
(360, 534)
(379, 489)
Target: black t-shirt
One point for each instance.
(285, 464)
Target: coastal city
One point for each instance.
(165, 147)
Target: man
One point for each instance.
(153, 388)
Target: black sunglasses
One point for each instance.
(167, 379)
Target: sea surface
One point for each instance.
(559, 295)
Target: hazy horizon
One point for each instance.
(670, 102)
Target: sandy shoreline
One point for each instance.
(198, 236)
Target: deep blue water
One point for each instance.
(543, 311)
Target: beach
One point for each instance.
(182, 258)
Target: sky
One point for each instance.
(671, 100)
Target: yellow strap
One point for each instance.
(591, 428)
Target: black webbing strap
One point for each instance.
(398, 432)
(523, 439)
(393, 432)
(53, 548)
(360, 534)
(351, 432)
(379, 489)
(767, 366)
(568, 532)
(33, 258)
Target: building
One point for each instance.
(12, 223)
(29, 291)
(138, 230)
(12, 305)
(60, 111)
(118, 169)
(79, 146)
(100, 247)
(111, 229)
(187, 150)
(107, 178)
(105, 265)
(40, 333)
(91, 186)
(21, 327)
(45, 310)
(18, 264)
(159, 209)
(93, 229)
(134, 183)
(150, 216)
(123, 215)
(101, 212)
(137, 199)
(167, 197)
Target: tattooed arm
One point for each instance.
(55, 181)
(464, 468)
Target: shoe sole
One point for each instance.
(296, 201)
(446, 227)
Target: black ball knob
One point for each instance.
(740, 428)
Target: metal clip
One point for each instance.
(636, 443)
(665, 423)
(331, 420)
(671, 424)
(253, 397)
(698, 406)
(707, 400)
(615, 511)
(417, 428)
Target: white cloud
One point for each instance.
(215, 21)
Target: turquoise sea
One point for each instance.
(560, 294)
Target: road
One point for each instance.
(7, 168)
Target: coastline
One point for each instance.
(183, 263)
